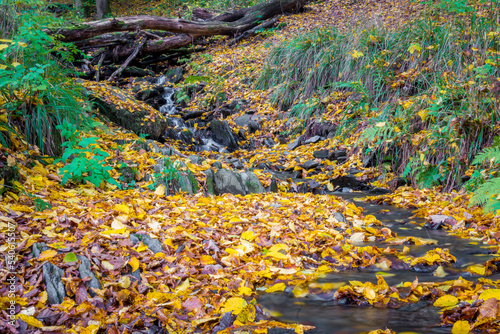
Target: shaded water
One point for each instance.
(328, 316)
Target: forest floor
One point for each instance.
(198, 263)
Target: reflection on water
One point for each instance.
(330, 317)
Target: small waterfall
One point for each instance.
(169, 107)
(205, 143)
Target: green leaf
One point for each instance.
(70, 257)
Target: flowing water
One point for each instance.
(202, 141)
(329, 316)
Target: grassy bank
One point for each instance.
(423, 98)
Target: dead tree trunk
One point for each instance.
(227, 24)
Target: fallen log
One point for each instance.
(227, 24)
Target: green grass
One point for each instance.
(423, 95)
(36, 93)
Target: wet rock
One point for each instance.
(141, 120)
(243, 120)
(53, 283)
(149, 93)
(174, 75)
(153, 244)
(210, 181)
(274, 186)
(227, 181)
(314, 139)
(370, 160)
(379, 191)
(337, 154)
(321, 154)
(349, 181)
(254, 126)
(294, 144)
(84, 271)
(231, 108)
(196, 159)
(217, 165)
(310, 164)
(222, 134)
(193, 114)
(237, 164)
(269, 142)
(252, 183)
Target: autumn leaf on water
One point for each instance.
(446, 301)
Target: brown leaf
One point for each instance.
(192, 304)
(489, 309)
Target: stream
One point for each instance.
(321, 311)
(329, 317)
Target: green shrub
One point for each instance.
(36, 94)
(84, 159)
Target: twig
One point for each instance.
(99, 64)
(129, 59)
(264, 25)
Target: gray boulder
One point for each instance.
(227, 181)
(53, 283)
(139, 118)
(222, 134)
(251, 183)
(84, 272)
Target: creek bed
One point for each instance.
(330, 317)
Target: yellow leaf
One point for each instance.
(32, 321)
(91, 329)
(42, 297)
(356, 54)
(160, 190)
(122, 208)
(247, 314)
(50, 253)
(277, 287)
(380, 124)
(369, 293)
(245, 291)
(461, 327)
(134, 263)
(3, 46)
(491, 293)
(446, 301)
(207, 259)
(248, 235)
(235, 304)
(124, 282)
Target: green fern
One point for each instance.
(487, 194)
(488, 154)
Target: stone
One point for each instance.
(127, 174)
(336, 154)
(210, 182)
(294, 144)
(222, 134)
(226, 181)
(321, 154)
(252, 183)
(254, 126)
(39, 247)
(84, 271)
(175, 75)
(339, 217)
(310, 164)
(53, 283)
(217, 165)
(243, 120)
(379, 191)
(314, 139)
(141, 119)
(269, 142)
(153, 244)
(349, 181)
(396, 183)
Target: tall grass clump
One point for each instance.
(424, 96)
(36, 94)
